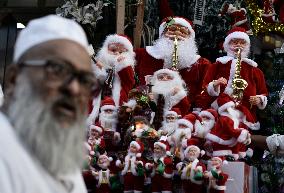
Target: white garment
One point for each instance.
(1, 96)
(20, 173)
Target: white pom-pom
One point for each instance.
(138, 155)
(225, 162)
(92, 153)
(202, 153)
(249, 152)
(118, 163)
(168, 153)
(110, 159)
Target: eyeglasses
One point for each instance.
(63, 73)
(174, 28)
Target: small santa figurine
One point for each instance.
(162, 167)
(133, 168)
(191, 169)
(169, 124)
(268, 14)
(95, 143)
(221, 74)
(217, 178)
(103, 174)
(114, 68)
(168, 92)
(229, 130)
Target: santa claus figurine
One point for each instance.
(220, 76)
(268, 14)
(229, 130)
(103, 174)
(169, 124)
(168, 92)
(162, 167)
(114, 68)
(133, 168)
(217, 178)
(191, 66)
(191, 169)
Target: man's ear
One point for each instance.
(10, 79)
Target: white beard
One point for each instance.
(138, 132)
(201, 130)
(58, 149)
(180, 134)
(110, 60)
(187, 51)
(108, 120)
(169, 127)
(191, 158)
(158, 156)
(244, 54)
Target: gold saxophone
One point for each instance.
(238, 84)
(175, 55)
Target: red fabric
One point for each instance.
(103, 188)
(160, 183)
(183, 105)
(132, 182)
(165, 10)
(254, 77)
(239, 19)
(127, 82)
(280, 4)
(193, 77)
(220, 183)
(189, 187)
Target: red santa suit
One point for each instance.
(228, 131)
(238, 17)
(120, 79)
(218, 185)
(132, 180)
(226, 67)
(268, 14)
(192, 67)
(280, 4)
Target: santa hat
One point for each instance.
(224, 101)
(172, 73)
(193, 144)
(48, 28)
(211, 113)
(141, 118)
(108, 103)
(188, 120)
(174, 111)
(177, 20)
(139, 145)
(96, 128)
(236, 33)
(221, 160)
(163, 143)
(105, 156)
(119, 38)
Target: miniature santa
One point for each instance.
(161, 168)
(191, 169)
(168, 92)
(114, 69)
(96, 143)
(221, 74)
(133, 168)
(217, 178)
(169, 124)
(103, 174)
(191, 66)
(208, 119)
(229, 130)
(268, 14)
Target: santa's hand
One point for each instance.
(151, 96)
(175, 91)
(254, 100)
(120, 58)
(206, 174)
(220, 81)
(99, 64)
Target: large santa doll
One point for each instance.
(114, 68)
(191, 169)
(168, 92)
(161, 168)
(191, 66)
(229, 130)
(133, 168)
(221, 74)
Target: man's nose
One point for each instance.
(74, 86)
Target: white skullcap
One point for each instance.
(48, 28)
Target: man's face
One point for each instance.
(65, 79)
(237, 43)
(133, 149)
(164, 77)
(171, 118)
(177, 30)
(116, 49)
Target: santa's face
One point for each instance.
(108, 118)
(215, 162)
(192, 154)
(133, 149)
(116, 49)
(177, 30)
(171, 118)
(103, 162)
(164, 77)
(159, 151)
(94, 133)
(140, 125)
(236, 44)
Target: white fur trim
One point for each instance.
(263, 103)
(240, 22)
(243, 136)
(111, 107)
(118, 39)
(168, 153)
(222, 152)
(136, 144)
(116, 90)
(216, 187)
(166, 71)
(189, 147)
(127, 162)
(250, 62)
(171, 113)
(211, 91)
(100, 73)
(131, 103)
(225, 106)
(224, 59)
(180, 21)
(139, 155)
(140, 162)
(236, 35)
(219, 140)
(177, 97)
(166, 175)
(118, 163)
(252, 126)
(207, 114)
(162, 145)
(186, 122)
(100, 177)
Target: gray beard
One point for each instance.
(59, 150)
(108, 121)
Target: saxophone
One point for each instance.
(175, 55)
(238, 84)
